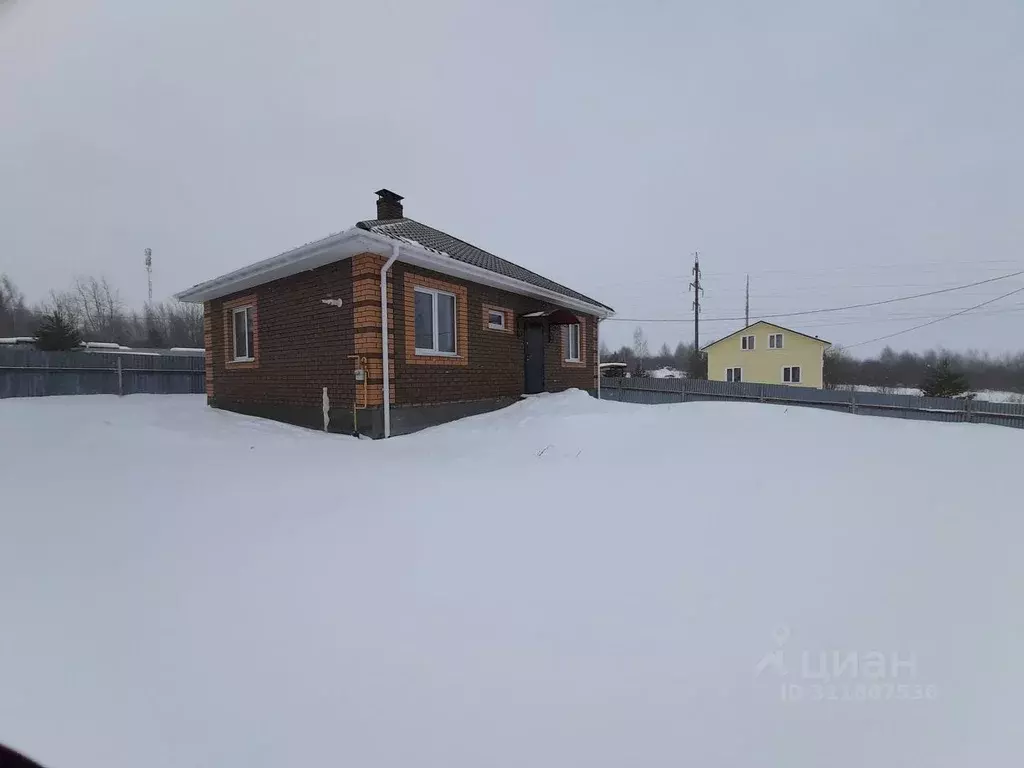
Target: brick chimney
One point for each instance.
(389, 204)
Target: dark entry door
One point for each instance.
(534, 363)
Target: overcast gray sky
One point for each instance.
(838, 152)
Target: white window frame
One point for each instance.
(568, 343)
(496, 326)
(250, 355)
(800, 376)
(436, 351)
(729, 370)
(771, 341)
(747, 343)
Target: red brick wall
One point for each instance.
(302, 345)
(489, 362)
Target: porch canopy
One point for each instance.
(548, 319)
(552, 317)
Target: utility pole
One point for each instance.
(746, 314)
(697, 293)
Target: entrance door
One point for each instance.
(533, 364)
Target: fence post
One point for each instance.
(120, 381)
(969, 409)
(682, 390)
(760, 392)
(853, 401)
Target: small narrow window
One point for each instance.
(243, 333)
(734, 374)
(775, 341)
(496, 319)
(572, 344)
(748, 342)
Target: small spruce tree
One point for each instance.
(943, 380)
(57, 332)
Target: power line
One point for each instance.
(830, 309)
(803, 275)
(907, 318)
(916, 266)
(902, 318)
(933, 322)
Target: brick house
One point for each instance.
(297, 337)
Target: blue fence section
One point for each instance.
(32, 373)
(660, 391)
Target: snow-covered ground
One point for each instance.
(666, 373)
(563, 583)
(991, 396)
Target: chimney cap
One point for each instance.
(387, 194)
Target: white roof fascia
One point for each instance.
(306, 257)
(354, 241)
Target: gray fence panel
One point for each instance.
(983, 406)
(737, 390)
(33, 373)
(655, 391)
(654, 385)
(886, 399)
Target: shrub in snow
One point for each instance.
(942, 380)
(698, 367)
(57, 332)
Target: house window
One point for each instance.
(747, 342)
(734, 374)
(572, 343)
(496, 319)
(791, 374)
(241, 319)
(435, 322)
(775, 341)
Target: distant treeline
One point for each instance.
(96, 309)
(888, 369)
(908, 369)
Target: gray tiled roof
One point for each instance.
(460, 250)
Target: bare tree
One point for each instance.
(64, 302)
(100, 308)
(640, 344)
(16, 319)
(640, 351)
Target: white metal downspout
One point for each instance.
(384, 337)
(598, 332)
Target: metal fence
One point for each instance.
(31, 373)
(658, 391)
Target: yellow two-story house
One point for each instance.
(765, 353)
